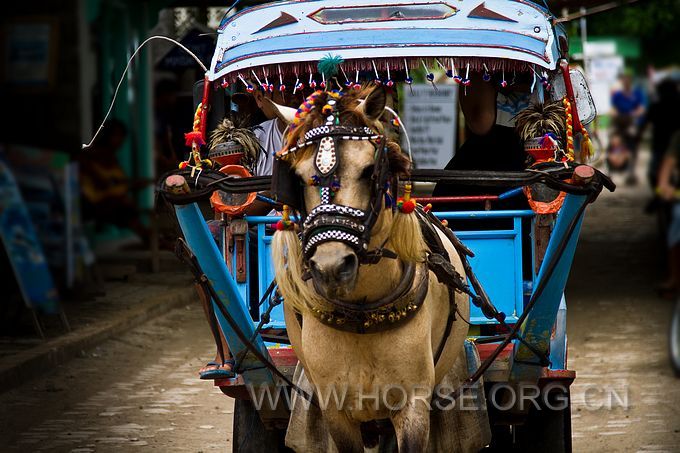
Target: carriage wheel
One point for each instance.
(250, 434)
(675, 339)
(546, 429)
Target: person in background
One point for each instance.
(618, 154)
(667, 190)
(628, 105)
(488, 146)
(105, 187)
(662, 116)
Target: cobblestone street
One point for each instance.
(618, 332)
(140, 390)
(137, 391)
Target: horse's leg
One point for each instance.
(345, 432)
(412, 427)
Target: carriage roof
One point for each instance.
(290, 37)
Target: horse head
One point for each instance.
(337, 148)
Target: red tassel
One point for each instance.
(194, 136)
(407, 207)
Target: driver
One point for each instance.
(489, 146)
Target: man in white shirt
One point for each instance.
(268, 133)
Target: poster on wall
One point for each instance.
(430, 118)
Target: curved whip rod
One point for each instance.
(122, 77)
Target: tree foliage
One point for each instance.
(655, 22)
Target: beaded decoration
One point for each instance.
(428, 75)
(377, 80)
(409, 79)
(486, 76)
(504, 83)
(389, 83)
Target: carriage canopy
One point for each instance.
(290, 37)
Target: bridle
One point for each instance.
(334, 222)
(330, 221)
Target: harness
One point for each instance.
(385, 313)
(330, 221)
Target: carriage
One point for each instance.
(517, 261)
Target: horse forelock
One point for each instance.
(346, 106)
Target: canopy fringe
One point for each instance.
(383, 65)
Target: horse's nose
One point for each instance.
(334, 270)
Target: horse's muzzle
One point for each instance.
(334, 268)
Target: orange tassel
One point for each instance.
(405, 204)
(587, 149)
(570, 129)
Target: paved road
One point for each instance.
(618, 333)
(139, 391)
(135, 392)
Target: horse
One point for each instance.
(366, 316)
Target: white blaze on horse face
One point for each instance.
(354, 157)
(334, 264)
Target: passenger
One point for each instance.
(670, 168)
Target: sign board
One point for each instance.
(603, 67)
(20, 242)
(603, 74)
(430, 116)
(599, 49)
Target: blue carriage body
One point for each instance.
(498, 263)
(288, 38)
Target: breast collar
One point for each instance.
(383, 314)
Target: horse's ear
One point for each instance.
(285, 114)
(374, 104)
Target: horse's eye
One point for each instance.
(368, 172)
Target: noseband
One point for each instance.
(333, 222)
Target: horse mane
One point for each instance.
(406, 237)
